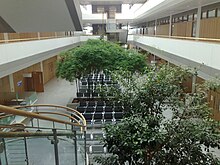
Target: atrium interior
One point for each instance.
(51, 116)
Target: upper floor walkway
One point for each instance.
(21, 50)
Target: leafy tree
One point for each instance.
(95, 56)
(163, 125)
(107, 160)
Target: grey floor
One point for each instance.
(57, 91)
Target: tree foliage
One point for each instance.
(163, 125)
(97, 55)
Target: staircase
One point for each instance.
(49, 139)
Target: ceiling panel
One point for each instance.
(171, 7)
(95, 2)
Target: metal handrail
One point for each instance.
(11, 110)
(60, 114)
(31, 39)
(56, 106)
(31, 134)
(179, 37)
(54, 113)
(21, 126)
(38, 115)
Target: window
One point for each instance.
(100, 9)
(185, 18)
(194, 17)
(190, 17)
(218, 12)
(176, 20)
(180, 19)
(211, 13)
(204, 14)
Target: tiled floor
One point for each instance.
(57, 91)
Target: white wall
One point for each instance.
(15, 51)
(17, 56)
(203, 53)
(85, 38)
(94, 18)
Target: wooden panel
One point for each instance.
(189, 29)
(60, 34)
(200, 80)
(47, 34)
(38, 81)
(179, 29)
(28, 84)
(150, 30)
(209, 28)
(150, 58)
(4, 84)
(187, 84)
(28, 35)
(163, 30)
(49, 67)
(18, 76)
(218, 27)
(12, 36)
(214, 103)
(36, 67)
(1, 36)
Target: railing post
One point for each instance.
(55, 142)
(32, 122)
(26, 150)
(4, 145)
(75, 144)
(85, 147)
(38, 123)
(53, 124)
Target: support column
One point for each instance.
(11, 83)
(26, 151)
(85, 156)
(198, 21)
(170, 26)
(194, 82)
(38, 35)
(75, 145)
(55, 142)
(155, 27)
(42, 69)
(6, 37)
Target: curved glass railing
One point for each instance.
(47, 136)
(40, 151)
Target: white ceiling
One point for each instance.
(108, 2)
(164, 9)
(171, 7)
(36, 16)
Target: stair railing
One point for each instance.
(73, 120)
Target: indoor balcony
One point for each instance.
(21, 50)
(201, 54)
